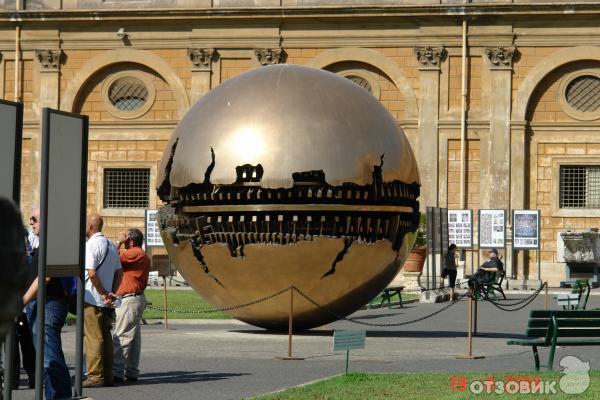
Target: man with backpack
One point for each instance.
(102, 278)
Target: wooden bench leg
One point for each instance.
(536, 357)
(400, 298)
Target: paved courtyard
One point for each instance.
(231, 360)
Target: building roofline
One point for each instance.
(321, 12)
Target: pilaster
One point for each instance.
(429, 61)
(49, 66)
(202, 61)
(495, 189)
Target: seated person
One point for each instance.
(487, 270)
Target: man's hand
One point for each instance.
(122, 238)
(108, 298)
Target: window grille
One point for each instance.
(580, 186)
(126, 188)
(583, 93)
(128, 93)
(362, 82)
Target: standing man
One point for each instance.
(57, 382)
(127, 337)
(102, 276)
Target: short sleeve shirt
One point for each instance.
(95, 250)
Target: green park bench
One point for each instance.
(551, 328)
(491, 287)
(573, 300)
(387, 295)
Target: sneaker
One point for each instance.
(119, 380)
(132, 379)
(88, 383)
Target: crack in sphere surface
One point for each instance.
(288, 176)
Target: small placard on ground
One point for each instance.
(348, 340)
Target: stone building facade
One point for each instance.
(135, 67)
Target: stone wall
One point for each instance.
(517, 129)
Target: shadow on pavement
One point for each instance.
(443, 334)
(184, 377)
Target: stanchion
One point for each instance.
(165, 303)
(290, 328)
(475, 318)
(545, 295)
(469, 354)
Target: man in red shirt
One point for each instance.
(127, 338)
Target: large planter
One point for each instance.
(415, 260)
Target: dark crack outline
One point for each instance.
(339, 257)
(198, 255)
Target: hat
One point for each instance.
(495, 251)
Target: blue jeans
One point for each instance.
(57, 381)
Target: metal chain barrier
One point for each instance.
(215, 310)
(353, 320)
(522, 302)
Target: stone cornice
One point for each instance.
(320, 12)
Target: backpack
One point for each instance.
(69, 283)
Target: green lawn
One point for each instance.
(405, 297)
(190, 300)
(415, 386)
(182, 300)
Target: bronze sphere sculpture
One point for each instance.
(288, 175)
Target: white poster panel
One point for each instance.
(526, 229)
(153, 238)
(460, 228)
(64, 183)
(492, 228)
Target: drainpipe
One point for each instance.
(463, 119)
(18, 57)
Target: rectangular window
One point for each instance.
(126, 187)
(580, 186)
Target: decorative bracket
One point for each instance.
(270, 56)
(202, 58)
(500, 57)
(430, 57)
(49, 59)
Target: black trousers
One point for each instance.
(25, 340)
(479, 278)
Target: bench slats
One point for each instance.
(565, 313)
(566, 323)
(578, 342)
(527, 342)
(568, 332)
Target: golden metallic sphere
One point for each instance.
(288, 175)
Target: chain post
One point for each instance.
(291, 328)
(469, 354)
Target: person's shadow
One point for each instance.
(184, 377)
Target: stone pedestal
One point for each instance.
(411, 281)
(434, 296)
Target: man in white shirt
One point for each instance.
(102, 277)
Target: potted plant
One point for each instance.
(416, 258)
